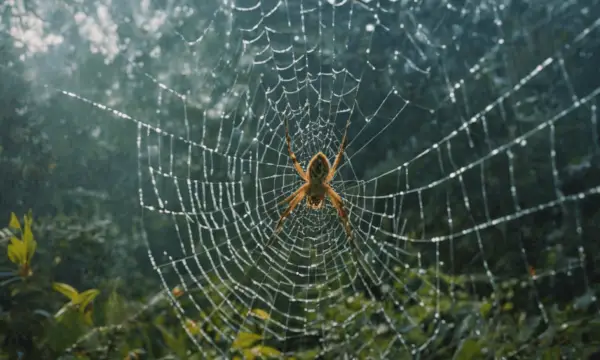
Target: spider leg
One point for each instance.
(338, 158)
(301, 193)
(288, 140)
(338, 203)
(294, 194)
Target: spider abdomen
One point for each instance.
(318, 169)
(315, 195)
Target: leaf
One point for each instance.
(191, 326)
(14, 222)
(259, 313)
(28, 239)
(28, 219)
(81, 301)
(468, 349)
(305, 355)
(245, 340)
(67, 290)
(551, 353)
(62, 311)
(86, 297)
(266, 351)
(174, 343)
(465, 326)
(20, 251)
(114, 309)
(248, 354)
(16, 251)
(30, 244)
(87, 317)
(485, 308)
(528, 328)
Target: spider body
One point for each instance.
(318, 169)
(317, 177)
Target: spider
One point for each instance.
(317, 177)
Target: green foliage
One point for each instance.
(102, 323)
(97, 323)
(80, 301)
(20, 251)
(245, 343)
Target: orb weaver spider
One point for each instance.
(316, 186)
(317, 177)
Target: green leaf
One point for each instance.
(14, 222)
(528, 328)
(266, 351)
(305, 355)
(63, 332)
(20, 251)
(16, 251)
(248, 354)
(192, 326)
(552, 353)
(259, 313)
(86, 297)
(30, 244)
(245, 340)
(114, 309)
(354, 303)
(174, 343)
(468, 349)
(28, 219)
(87, 317)
(485, 308)
(66, 289)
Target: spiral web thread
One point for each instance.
(477, 103)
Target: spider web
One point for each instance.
(472, 124)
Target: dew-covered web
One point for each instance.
(472, 127)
